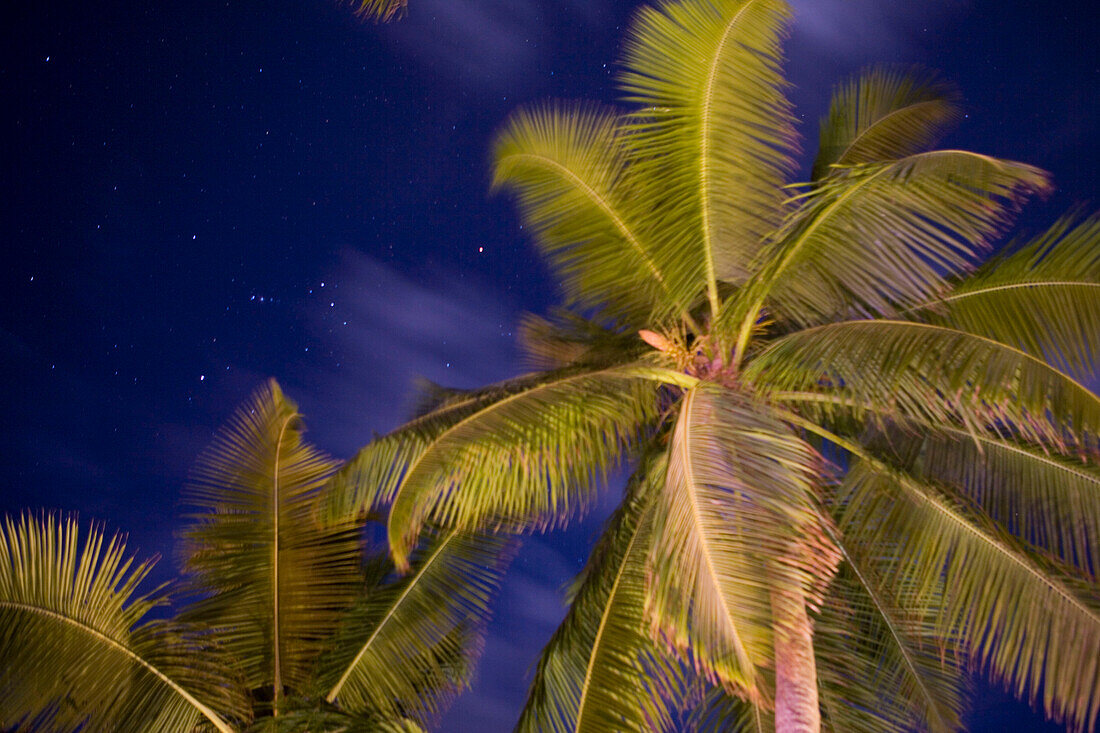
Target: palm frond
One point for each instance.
(380, 11)
(877, 238)
(309, 717)
(1043, 298)
(567, 340)
(566, 166)
(1032, 624)
(1047, 500)
(884, 114)
(408, 647)
(531, 459)
(601, 671)
(720, 712)
(883, 663)
(713, 143)
(260, 565)
(366, 484)
(935, 374)
(74, 651)
(735, 522)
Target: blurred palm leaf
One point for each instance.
(76, 648)
(530, 458)
(601, 671)
(713, 141)
(408, 646)
(1033, 624)
(380, 11)
(736, 519)
(260, 565)
(884, 114)
(876, 238)
(1042, 299)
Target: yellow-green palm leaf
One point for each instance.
(380, 10)
(76, 650)
(529, 459)
(713, 141)
(408, 646)
(263, 569)
(884, 114)
(935, 374)
(571, 158)
(1044, 298)
(877, 238)
(736, 520)
(1029, 622)
(601, 671)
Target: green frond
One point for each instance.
(530, 459)
(713, 143)
(1047, 500)
(882, 662)
(366, 484)
(1031, 624)
(736, 521)
(309, 717)
(720, 712)
(74, 652)
(1043, 298)
(566, 166)
(567, 340)
(884, 114)
(934, 374)
(877, 238)
(380, 11)
(601, 671)
(260, 566)
(409, 646)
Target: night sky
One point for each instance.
(199, 195)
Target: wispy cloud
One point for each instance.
(484, 44)
(384, 331)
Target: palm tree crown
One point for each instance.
(864, 459)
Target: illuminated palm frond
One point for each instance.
(261, 567)
(408, 647)
(77, 650)
(884, 114)
(601, 670)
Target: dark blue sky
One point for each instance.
(198, 195)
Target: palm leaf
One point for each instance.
(877, 238)
(1043, 299)
(601, 671)
(1047, 500)
(884, 114)
(713, 143)
(74, 652)
(934, 374)
(567, 340)
(380, 11)
(720, 712)
(260, 565)
(1031, 623)
(559, 159)
(408, 648)
(530, 459)
(735, 523)
(883, 663)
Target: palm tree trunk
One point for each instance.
(796, 704)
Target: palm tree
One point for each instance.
(864, 460)
(288, 625)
